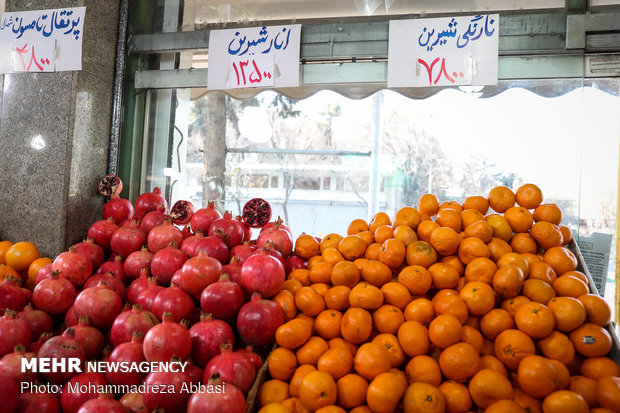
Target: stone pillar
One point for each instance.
(54, 130)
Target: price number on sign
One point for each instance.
(251, 71)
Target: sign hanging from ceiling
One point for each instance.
(265, 56)
(41, 40)
(446, 51)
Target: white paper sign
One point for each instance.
(254, 57)
(42, 40)
(445, 51)
(595, 251)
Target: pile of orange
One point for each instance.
(21, 261)
(444, 308)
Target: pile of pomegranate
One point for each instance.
(150, 284)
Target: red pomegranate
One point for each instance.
(194, 372)
(130, 322)
(166, 262)
(91, 339)
(129, 352)
(146, 298)
(38, 321)
(277, 222)
(233, 269)
(281, 239)
(262, 273)
(241, 252)
(35, 346)
(199, 272)
(173, 402)
(207, 336)
(44, 273)
(186, 231)
(101, 232)
(174, 300)
(153, 219)
(136, 261)
(105, 403)
(254, 358)
(181, 212)
(137, 285)
(117, 208)
(37, 402)
(77, 390)
(133, 403)
(12, 296)
(189, 244)
(272, 251)
(13, 331)
(10, 365)
(127, 239)
(234, 368)
(114, 265)
(202, 219)
(110, 185)
(109, 280)
(223, 299)
(100, 304)
(73, 266)
(247, 231)
(149, 201)
(176, 278)
(71, 317)
(166, 340)
(213, 247)
(256, 213)
(163, 235)
(92, 251)
(9, 393)
(228, 230)
(294, 262)
(258, 321)
(64, 346)
(232, 400)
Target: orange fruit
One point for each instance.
(454, 261)
(384, 392)
(508, 281)
(561, 259)
(557, 346)
(505, 406)
(535, 319)
(546, 234)
(302, 275)
(320, 272)
(408, 216)
(498, 247)
(272, 391)
(469, 216)
(356, 226)
(536, 376)
(548, 212)
(293, 334)
(392, 346)
(320, 288)
(480, 269)
(330, 241)
(306, 246)
(379, 219)
(4, 246)
(311, 351)
(317, 389)
(567, 234)
(396, 293)
(488, 386)
(425, 229)
(420, 310)
(454, 305)
(523, 242)
(449, 218)
(366, 295)
(336, 361)
(445, 240)
(383, 233)
(20, 255)
(479, 229)
(528, 196)
(608, 392)
(340, 342)
(422, 397)
(337, 298)
(599, 367)
(351, 390)
(511, 346)
(471, 248)
(479, 297)
(570, 286)
(511, 304)
(591, 340)
(569, 313)
(529, 403)
(282, 364)
(286, 300)
(501, 226)
(35, 266)
(298, 376)
(443, 275)
(444, 330)
(513, 258)
(413, 338)
(496, 321)
(331, 255)
(366, 236)
(585, 387)
(519, 218)
(313, 261)
(416, 278)
(456, 395)
(376, 272)
(493, 363)
(371, 360)
(352, 247)
(597, 309)
(479, 203)
(294, 405)
(428, 205)
(423, 368)
(459, 361)
(542, 271)
(565, 401)
(387, 319)
(405, 234)
(356, 325)
(450, 205)
(309, 302)
(6, 271)
(345, 273)
(501, 198)
(538, 290)
(421, 253)
(471, 335)
(327, 324)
